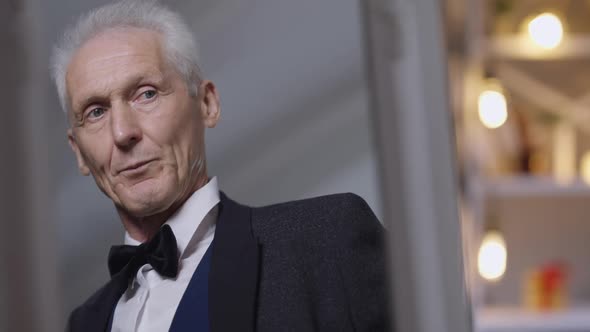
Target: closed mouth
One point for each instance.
(136, 166)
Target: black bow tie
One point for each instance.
(160, 252)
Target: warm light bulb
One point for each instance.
(491, 259)
(546, 30)
(493, 109)
(585, 167)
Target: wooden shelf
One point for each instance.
(532, 186)
(520, 320)
(519, 48)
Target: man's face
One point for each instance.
(135, 127)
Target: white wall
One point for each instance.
(408, 71)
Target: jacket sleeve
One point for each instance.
(363, 266)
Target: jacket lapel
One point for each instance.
(233, 279)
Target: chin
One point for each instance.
(142, 208)
(146, 199)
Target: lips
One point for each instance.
(135, 167)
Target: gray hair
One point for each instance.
(179, 46)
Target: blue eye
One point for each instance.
(149, 94)
(96, 112)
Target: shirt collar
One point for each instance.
(190, 215)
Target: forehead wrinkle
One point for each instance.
(111, 61)
(108, 88)
(116, 84)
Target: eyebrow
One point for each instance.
(130, 84)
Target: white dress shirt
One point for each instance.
(150, 301)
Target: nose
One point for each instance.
(125, 127)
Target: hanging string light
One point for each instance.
(546, 30)
(492, 105)
(492, 256)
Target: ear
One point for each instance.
(209, 103)
(81, 163)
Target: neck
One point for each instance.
(143, 229)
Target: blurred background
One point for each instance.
(463, 124)
(519, 74)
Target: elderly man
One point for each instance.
(128, 78)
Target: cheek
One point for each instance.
(178, 126)
(185, 145)
(96, 156)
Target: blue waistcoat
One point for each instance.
(192, 313)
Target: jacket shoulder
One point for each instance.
(340, 200)
(318, 215)
(331, 249)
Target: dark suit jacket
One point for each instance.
(310, 265)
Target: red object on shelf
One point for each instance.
(553, 281)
